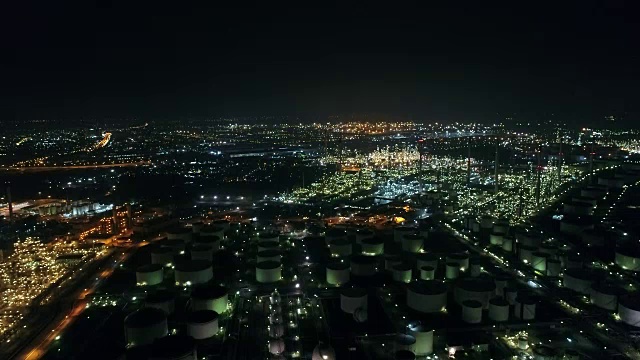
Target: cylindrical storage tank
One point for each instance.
(452, 270)
(472, 311)
(629, 310)
(340, 247)
(501, 226)
(202, 324)
(197, 226)
(145, 325)
(424, 339)
(628, 259)
(193, 272)
(585, 199)
(577, 208)
(268, 272)
(363, 234)
(501, 281)
(498, 310)
(268, 237)
(174, 347)
(268, 245)
(479, 289)
(149, 275)
(163, 300)
(161, 255)
(525, 308)
(211, 241)
(178, 246)
(496, 238)
(539, 261)
(528, 237)
(427, 273)
(400, 231)
(427, 296)
(426, 259)
(362, 265)
(510, 294)
(183, 234)
(475, 268)
(269, 255)
(209, 230)
(276, 346)
(352, 299)
(605, 296)
(405, 342)
(323, 351)
(486, 222)
(579, 280)
(223, 224)
(526, 253)
(372, 246)
(596, 192)
(401, 273)
(544, 352)
(390, 261)
(334, 234)
(211, 297)
(611, 182)
(412, 243)
(596, 237)
(276, 331)
(201, 252)
(507, 244)
(523, 344)
(338, 273)
(553, 267)
(549, 248)
(575, 225)
(461, 258)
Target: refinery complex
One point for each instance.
(344, 240)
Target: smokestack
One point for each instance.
(10, 202)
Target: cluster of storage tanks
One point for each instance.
(276, 327)
(146, 325)
(268, 258)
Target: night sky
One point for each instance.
(578, 60)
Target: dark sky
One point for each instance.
(451, 62)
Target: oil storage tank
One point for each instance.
(401, 273)
(268, 272)
(149, 275)
(452, 270)
(424, 339)
(629, 310)
(268, 245)
(426, 259)
(427, 273)
(183, 234)
(202, 324)
(352, 299)
(427, 296)
(268, 237)
(211, 241)
(372, 246)
(200, 251)
(498, 310)
(145, 325)
(363, 266)
(209, 230)
(628, 259)
(539, 261)
(480, 289)
(363, 234)
(461, 258)
(579, 280)
(269, 255)
(405, 342)
(334, 234)
(605, 296)
(400, 231)
(210, 297)
(161, 255)
(192, 272)
(472, 311)
(161, 299)
(525, 308)
(340, 247)
(338, 273)
(412, 243)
